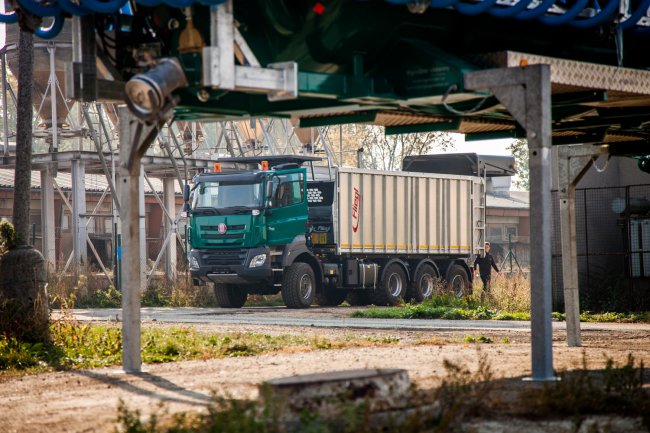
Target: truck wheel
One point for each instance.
(458, 281)
(298, 286)
(331, 298)
(359, 298)
(425, 281)
(229, 296)
(392, 287)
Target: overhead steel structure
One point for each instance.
(555, 72)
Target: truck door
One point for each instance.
(288, 216)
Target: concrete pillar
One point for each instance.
(47, 220)
(79, 232)
(142, 232)
(169, 199)
(130, 191)
(526, 93)
(134, 141)
(573, 163)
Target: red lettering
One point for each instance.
(356, 209)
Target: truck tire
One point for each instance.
(424, 284)
(392, 287)
(229, 296)
(457, 281)
(298, 286)
(331, 298)
(359, 298)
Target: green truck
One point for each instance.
(324, 234)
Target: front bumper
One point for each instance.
(230, 266)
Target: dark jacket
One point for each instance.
(485, 264)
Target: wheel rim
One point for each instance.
(306, 286)
(458, 285)
(395, 284)
(426, 285)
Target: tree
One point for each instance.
(519, 149)
(386, 152)
(24, 311)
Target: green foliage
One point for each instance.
(519, 149)
(7, 235)
(479, 339)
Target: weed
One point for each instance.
(616, 389)
(479, 339)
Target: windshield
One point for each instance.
(222, 195)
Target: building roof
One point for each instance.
(507, 200)
(94, 182)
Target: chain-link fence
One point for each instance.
(613, 245)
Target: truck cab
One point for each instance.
(247, 223)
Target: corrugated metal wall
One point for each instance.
(403, 213)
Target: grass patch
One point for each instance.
(76, 345)
(509, 299)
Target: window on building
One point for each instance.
(511, 231)
(494, 233)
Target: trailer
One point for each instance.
(328, 235)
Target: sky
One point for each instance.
(486, 147)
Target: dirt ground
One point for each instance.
(86, 401)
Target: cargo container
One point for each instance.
(325, 235)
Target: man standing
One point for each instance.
(485, 265)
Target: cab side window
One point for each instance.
(289, 191)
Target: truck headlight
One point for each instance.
(194, 263)
(257, 261)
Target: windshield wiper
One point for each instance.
(236, 209)
(205, 211)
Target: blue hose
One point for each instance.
(505, 12)
(566, 17)
(475, 8)
(598, 19)
(104, 7)
(53, 30)
(35, 8)
(536, 12)
(9, 18)
(443, 3)
(149, 3)
(73, 8)
(640, 11)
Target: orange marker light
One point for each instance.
(217, 167)
(265, 165)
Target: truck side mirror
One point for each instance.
(186, 197)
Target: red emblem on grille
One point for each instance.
(222, 228)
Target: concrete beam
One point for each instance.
(169, 199)
(79, 232)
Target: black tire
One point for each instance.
(331, 297)
(359, 298)
(298, 286)
(424, 284)
(458, 281)
(229, 296)
(392, 287)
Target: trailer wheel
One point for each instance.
(298, 286)
(331, 298)
(392, 287)
(458, 281)
(229, 296)
(425, 281)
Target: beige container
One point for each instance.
(380, 212)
